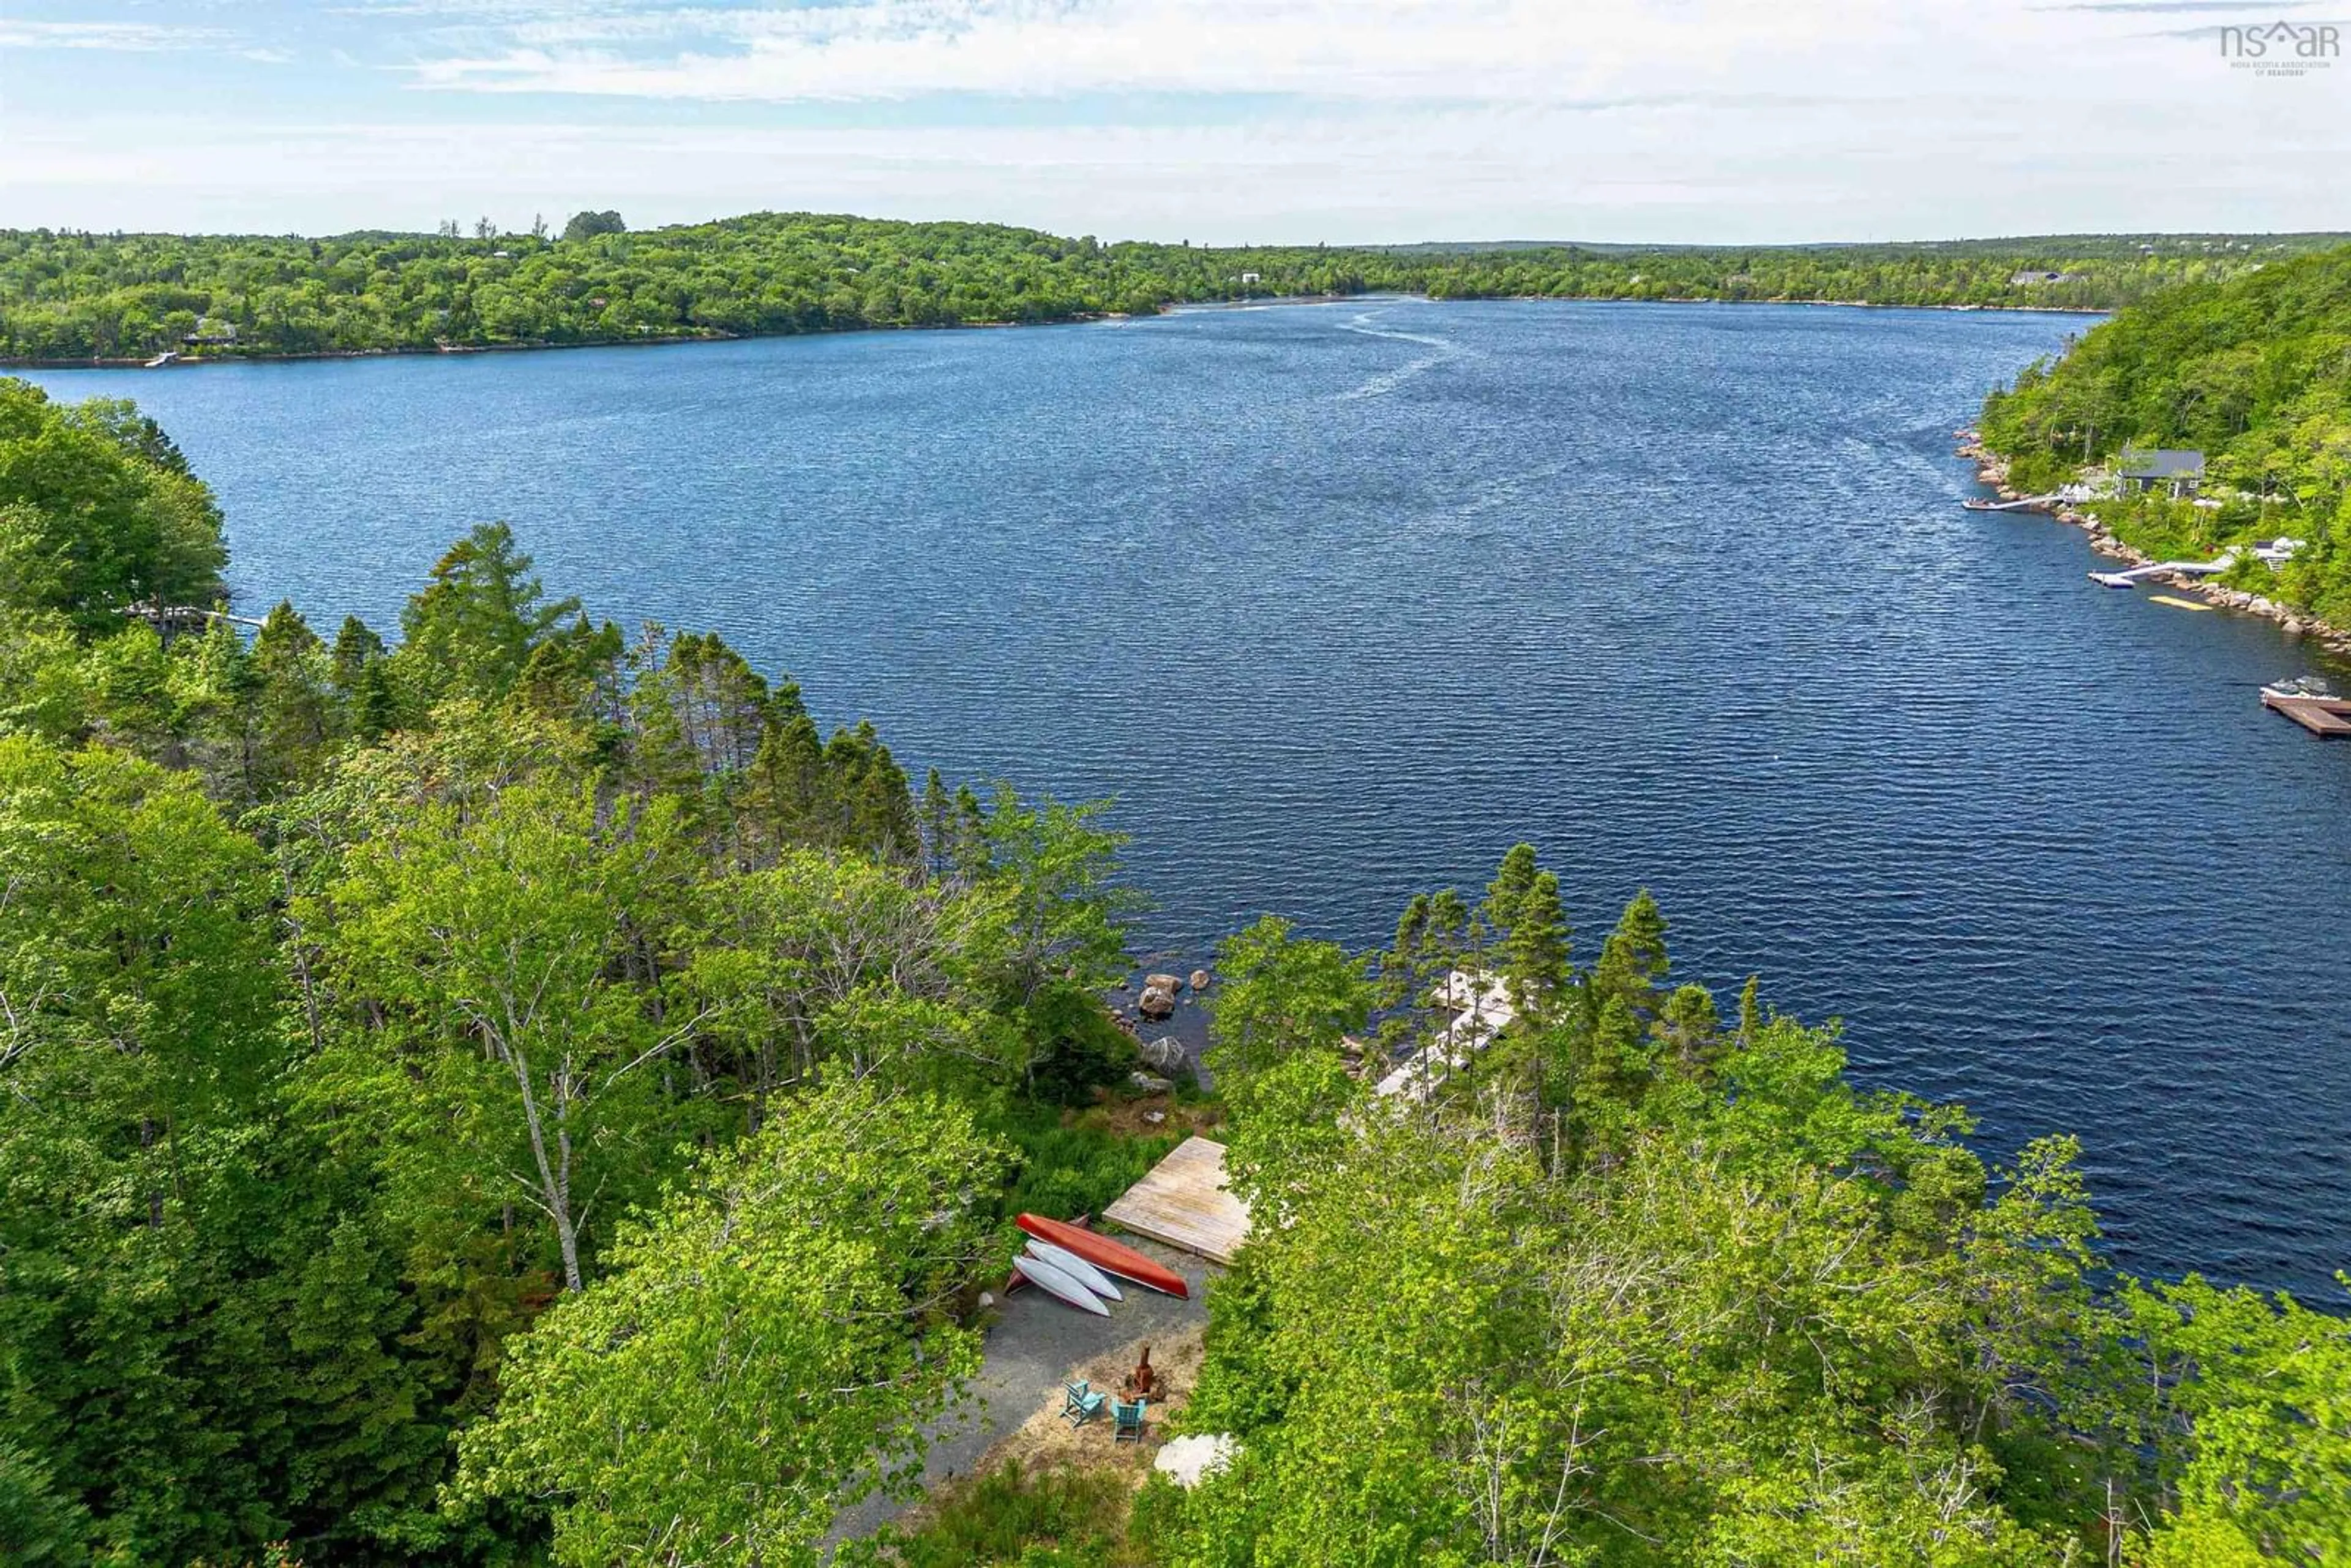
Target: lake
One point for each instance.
(1341, 601)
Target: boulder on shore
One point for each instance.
(1166, 1055)
(1155, 1003)
(1148, 1084)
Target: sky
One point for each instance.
(1219, 122)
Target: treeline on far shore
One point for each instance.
(68, 296)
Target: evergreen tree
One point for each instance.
(1513, 880)
(1535, 951)
(938, 827)
(355, 647)
(1404, 969)
(1690, 1030)
(473, 628)
(972, 853)
(299, 714)
(1633, 960)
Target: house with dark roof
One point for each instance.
(2176, 469)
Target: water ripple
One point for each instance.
(1342, 601)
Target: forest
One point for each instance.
(506, 1090)
(2255, 373)
(72, 297)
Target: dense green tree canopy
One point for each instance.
(72, 295)
(2254, 372)
(98, 509)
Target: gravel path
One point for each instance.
(1036, 1347)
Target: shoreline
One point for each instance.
(1173, 308)
(1991, 470)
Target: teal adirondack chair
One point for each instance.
(1080, 1403)
(1130, 1420)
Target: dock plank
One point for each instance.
(2327, 716)
(1182, 1202)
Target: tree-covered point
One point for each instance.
(2255, 373)
(98, 509)
(72, 295)
(1650, 1283)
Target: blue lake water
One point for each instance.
(1341, 600)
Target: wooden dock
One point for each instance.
(2327, 718)
(1182, 1202)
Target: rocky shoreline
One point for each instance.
(1991, 470)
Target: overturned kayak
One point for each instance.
(1059, 1285)
(1076, 1268)
(1106, 1254)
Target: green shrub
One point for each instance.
(1046, 1520)
(1076, 1048)
(1071, 1170)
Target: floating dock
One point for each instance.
(2326, 718)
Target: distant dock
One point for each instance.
(2326, 718)
(2139, 574)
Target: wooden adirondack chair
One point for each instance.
(1129, 1418)
(1080, 1403)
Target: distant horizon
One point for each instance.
(555, 222)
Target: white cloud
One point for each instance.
(1479, 49)
(1445, 50)
(122, 37)
(1722, 120)
(1686, 171)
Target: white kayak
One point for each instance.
(1076, 1268)
(1056, 1283)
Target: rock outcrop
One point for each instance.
(1165, 1055)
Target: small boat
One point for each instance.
(1059, 1285)
(1106, 1254)
(2304, 686)
(1076, 1268)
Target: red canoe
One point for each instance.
(1106, 1254)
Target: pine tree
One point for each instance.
(938, 827)
(972, 855)
(298, 716)
(1403, 973)
(472, 629)
(1633, 960)
(781, 793)
(1690, 1030)
(1513, 879)
(355, 647)
(1535, 951)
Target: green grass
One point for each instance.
(1054, 1519)
(1066, 1171)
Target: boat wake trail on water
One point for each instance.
(1388, 381)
